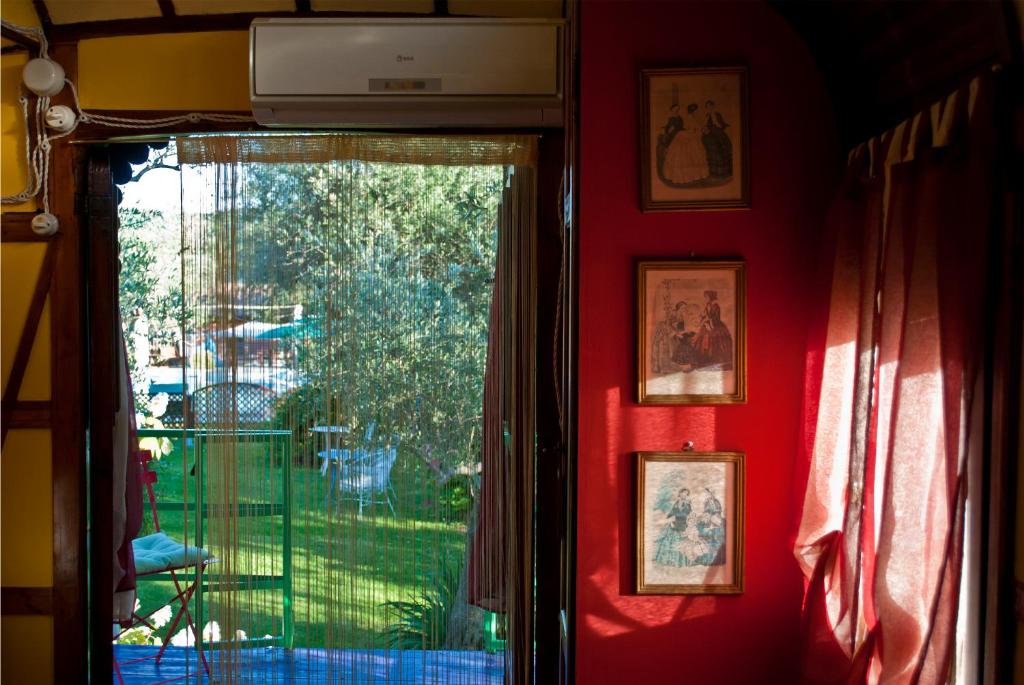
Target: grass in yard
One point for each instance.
(343, 567)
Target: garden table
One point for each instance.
(335, 449)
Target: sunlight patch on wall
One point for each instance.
(612, 428)
(648, 612)
(606, 628)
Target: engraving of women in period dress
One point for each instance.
(672, 344)
(713, 341)
(717, 144)
(682, 159)
(688, 540)
(668, 546)
(673, 125)
(710, 527)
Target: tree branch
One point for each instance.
(150, 167)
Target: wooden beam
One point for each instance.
(26, 601)
(303, 6)
(30, 415)
(167, 8)
(104, 336)
(26, 341)
(68, 360)
(16, 227)
(23, 41)
(43, 13)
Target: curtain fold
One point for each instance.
(488, 554)
(501, 555)
(881, 533)
(127, 490)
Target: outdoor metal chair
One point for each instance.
(158, 554)
(332, 458)
(366, 478)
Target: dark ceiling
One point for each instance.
(883, 60)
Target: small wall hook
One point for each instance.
(688, 446)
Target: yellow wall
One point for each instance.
(12, 179)
(192, 71)
(26, 510)
(205, 71)
(26, 503)
(27, 649)
(13, 171)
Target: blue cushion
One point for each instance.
(158, 552)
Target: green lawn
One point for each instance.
(343, 567)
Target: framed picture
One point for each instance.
(689, 523)
(691, 332)
(694, 147)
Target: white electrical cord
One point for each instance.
(37, 157)
(33, 32)
(160, 122)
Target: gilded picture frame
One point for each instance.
(690, 511)
(691, 331)
(694, 139)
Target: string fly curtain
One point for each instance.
(894, 400)
(347, 298)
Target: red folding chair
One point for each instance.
(183, 588)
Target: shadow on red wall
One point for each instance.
(754, 637)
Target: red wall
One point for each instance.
(751, 638)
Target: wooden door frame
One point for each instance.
(99, 227)
(67, 408)
(102, 397)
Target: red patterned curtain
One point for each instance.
(501, 550)
(892, 399)
(127, 489)
(489, 551)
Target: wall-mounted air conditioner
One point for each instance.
(406, 72)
